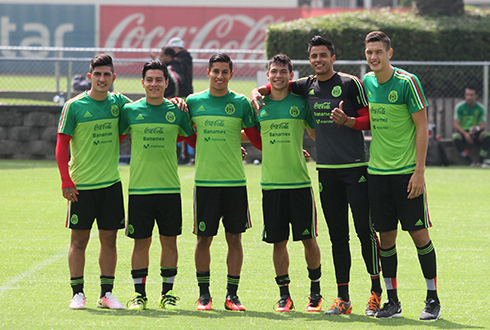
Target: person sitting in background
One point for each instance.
(469, 123)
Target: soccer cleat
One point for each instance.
(285, 304)
(169, 301)
(138, 302)
(232, 303)
(315, 303)
(339, 307)
(390, 309)
(373, 304)
(109, 301)
(78, 301)
(432, 311)
(204, 302)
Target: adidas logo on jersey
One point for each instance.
(264, 114)
(311, 92)
(306, 232)
(201, 108)
(140, 117)
(87, 115)
(419, 223)
(362, 179)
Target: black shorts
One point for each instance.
(389, 203)
(105, 204)
(214, 203)
(282, 207)
(143, 210)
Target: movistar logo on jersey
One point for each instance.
(323, 106)
(201, 108)
(115, 110)
(230, 109)
(419, 223)
(362, 179)
(87, 115)
(393, 96)
(140, 117)
(311, 92)
(170, 117)
(336, 91)
(294, 111)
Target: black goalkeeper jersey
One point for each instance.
(337, 146)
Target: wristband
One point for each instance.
(345, 120)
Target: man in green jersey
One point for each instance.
(469, 123)
(91, 181)
(219, 114)
(154, 185)
(397, 108)
(287, 196)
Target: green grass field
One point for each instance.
(34, 277)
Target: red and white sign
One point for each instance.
(200, 27)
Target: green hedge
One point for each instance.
(414, 38)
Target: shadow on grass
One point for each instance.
(302, 316)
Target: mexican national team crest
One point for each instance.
(170, 117)
(115, 110)
(74, 219)
(393, 96)
(230, 109)
(294, 111)
(336, 91)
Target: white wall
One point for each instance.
(179, 3)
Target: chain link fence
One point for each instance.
(38, 80)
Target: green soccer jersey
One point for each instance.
(219, 121)
(282, 125)
(391, 105)
(154, 131)
(93, 126)
(469, 116)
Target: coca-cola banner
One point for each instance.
(199, 27)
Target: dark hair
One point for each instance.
(169, 51)
(473, 88)
(319, 41)
(155, 65)
(101, 60)
(281, 59)
(221, 57)
(375, 36)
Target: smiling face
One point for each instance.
(321, 61)
(219, 76)
(101, 78)
(377, 56)
(279, 76)
(154, 84)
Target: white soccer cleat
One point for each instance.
(78, 301)
(109, 301)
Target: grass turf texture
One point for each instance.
(34, 277)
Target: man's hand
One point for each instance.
(338, 115)
(70, 194)
(180, 103)
(416, 185)
(256, 100)
(306, 154)
(468, 138)
(244, 153)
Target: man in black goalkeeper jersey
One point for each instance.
(342, 165)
